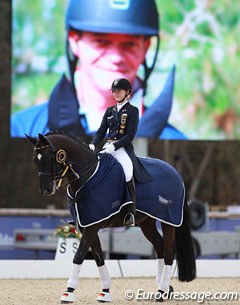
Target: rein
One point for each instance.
(60, 179)
(77, 175)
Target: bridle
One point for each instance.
(63, 168)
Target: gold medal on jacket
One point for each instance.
(123, 123)
(124, 118)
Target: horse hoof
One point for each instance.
(166, 293)
(159, 297)
(170, 289)
(68, 298)
(104, 297)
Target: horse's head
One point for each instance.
(50, 163)
(57, 156)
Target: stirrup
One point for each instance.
(129, 220)
(104, 297)
(68, 298)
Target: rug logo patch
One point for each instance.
(116, 204)
(164, 200)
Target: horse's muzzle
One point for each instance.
(48, 189)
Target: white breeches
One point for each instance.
(124, 159)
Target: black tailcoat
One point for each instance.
(122, 127)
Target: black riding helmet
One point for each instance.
(121, 83)
(133, 17)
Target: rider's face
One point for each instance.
(119, 95)
(104, 57)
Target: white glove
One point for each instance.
(108, 149)
(91, 146)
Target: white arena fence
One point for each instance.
(58, 268)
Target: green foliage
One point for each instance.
(38, 50)
(29, 92)
(205, 38)
(38, 28)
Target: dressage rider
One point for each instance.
(122, 121)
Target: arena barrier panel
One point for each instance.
(43, 269)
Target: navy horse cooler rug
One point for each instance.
(106, 193)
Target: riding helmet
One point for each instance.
(121, 83)
(135, 17)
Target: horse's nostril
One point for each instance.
(45, 191)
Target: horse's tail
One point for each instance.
(185, 254)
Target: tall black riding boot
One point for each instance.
(129, 219)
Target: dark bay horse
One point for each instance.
(59, 156)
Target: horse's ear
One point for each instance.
(43, 139)
(31, 139)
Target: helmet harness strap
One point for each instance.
(72, 61)
(148, 70)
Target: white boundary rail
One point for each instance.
(44, 269)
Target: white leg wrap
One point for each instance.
(68, 297)
(74, 276)
(166, 278)
(160, 266)
(104, 297)
(105, 277)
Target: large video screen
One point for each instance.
(63, 66)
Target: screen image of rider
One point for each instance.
(62, 70)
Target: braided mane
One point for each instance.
(62, 133)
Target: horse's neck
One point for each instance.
(76, 183)
(84, 164)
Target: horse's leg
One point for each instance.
(105, 295)
(164, 248)
(150, 231)
(88, 237)
(169, 252)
